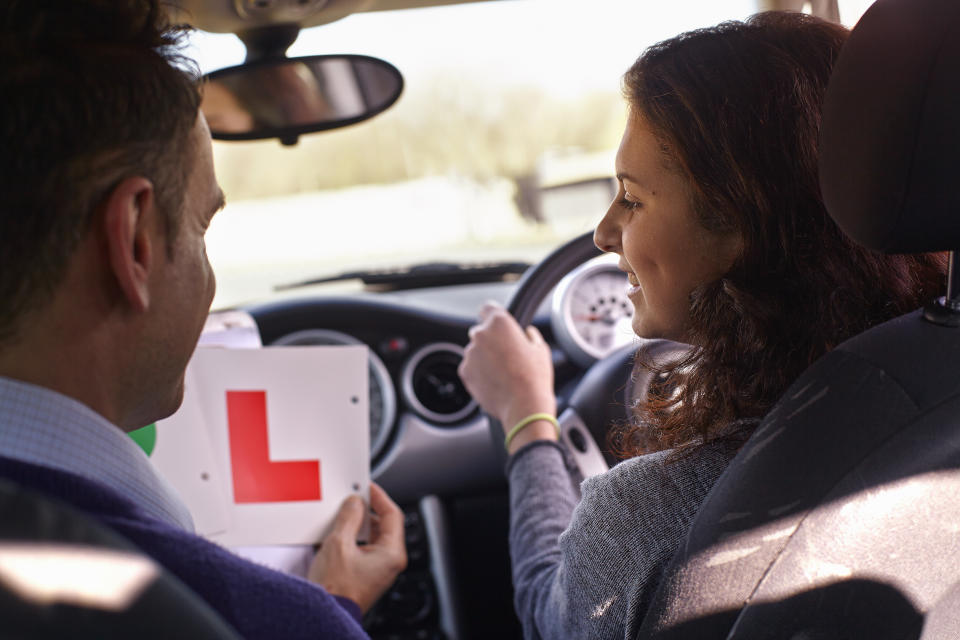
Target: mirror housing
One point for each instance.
(286, 97)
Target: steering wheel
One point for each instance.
(592, 407)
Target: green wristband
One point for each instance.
(533, 417)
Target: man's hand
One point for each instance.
(362, 572)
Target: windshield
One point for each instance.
(500, 148)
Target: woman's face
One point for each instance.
(664, 250)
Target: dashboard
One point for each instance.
(430, 445)
(427, 435)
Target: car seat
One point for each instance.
(840, 516)
(62, 575)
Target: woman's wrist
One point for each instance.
(539, 430)
(521, 410)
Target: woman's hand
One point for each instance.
(509, 372)
(362, 572)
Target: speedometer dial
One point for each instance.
(383, 403)
(591, 315)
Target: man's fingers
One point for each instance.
(390, 515)
(390, 539)
(349, 518)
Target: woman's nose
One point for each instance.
(607, 234)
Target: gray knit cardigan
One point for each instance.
(587, 566)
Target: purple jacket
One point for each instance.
(258, 602)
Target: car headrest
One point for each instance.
(890, 141)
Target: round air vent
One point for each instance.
(431, 384)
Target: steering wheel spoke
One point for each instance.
(582, 447)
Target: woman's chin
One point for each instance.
(642, 328)
(646, 328)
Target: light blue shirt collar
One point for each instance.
(42, 427)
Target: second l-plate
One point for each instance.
(590, 313)
(383, 403)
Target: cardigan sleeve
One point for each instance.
(587, 567)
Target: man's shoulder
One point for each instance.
(253, 598)
(82, 493)
(119, 513)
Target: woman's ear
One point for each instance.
(129, 219)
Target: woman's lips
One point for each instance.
(634, 285)
(633, 288)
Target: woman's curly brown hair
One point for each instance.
(737, 108)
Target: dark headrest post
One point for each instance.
(946, 310)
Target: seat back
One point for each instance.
(840, 516)
(64, 576)
(844, 500)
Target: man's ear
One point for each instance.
(130, 225)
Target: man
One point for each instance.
(106, 190)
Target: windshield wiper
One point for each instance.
(430, 274)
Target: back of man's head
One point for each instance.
(91, 92)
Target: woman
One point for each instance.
(720, 227)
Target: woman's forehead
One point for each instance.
(643, 158)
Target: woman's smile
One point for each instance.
(633, 287)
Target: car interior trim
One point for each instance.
(437, 528)
(580, 443)
(458, 460)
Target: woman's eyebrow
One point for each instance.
(621, 176)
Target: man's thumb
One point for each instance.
(350, 517)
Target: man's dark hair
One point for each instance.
(91, 92)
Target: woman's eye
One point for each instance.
(629, 204)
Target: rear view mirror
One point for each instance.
(287, 97)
